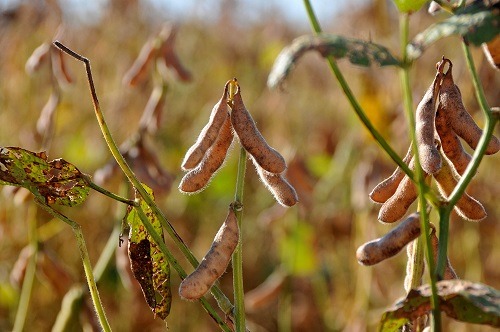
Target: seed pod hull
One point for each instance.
(252, 140)
(450, 143)
(208, 134)
(430, 159)
(466, 207)
(198, 178)
(215, 262)
(282, 191)
(385, 189)
(395, 207)
(462, 122)
(375, 251)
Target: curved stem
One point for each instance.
(352, 99)
(94, 293)
(239, 303)
(108, 193)
(221, 298)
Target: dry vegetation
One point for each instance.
(333, 165)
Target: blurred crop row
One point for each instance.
(309, 249)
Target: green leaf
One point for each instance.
(478, 23)
(406, 6)
(149, 266)
(358, 52)
(459, 299)
(53, 182)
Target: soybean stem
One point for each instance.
(221, 298)
(352, 99)
(87, 267)
(108, 193)
(239, 309)
(419, 176)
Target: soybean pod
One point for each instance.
(430, 159)
(462, 122)
(199, 177)
(215, 262)
(252, 140)
(375, 251)
(208, 134)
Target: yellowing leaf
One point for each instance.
(53, 182)
(149, 266)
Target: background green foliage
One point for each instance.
(333, 164)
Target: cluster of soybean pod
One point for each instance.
(441, 119)
(229, 118)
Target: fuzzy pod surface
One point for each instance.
(208, 134)
(252, 140)
(375, 251)
(215, 262)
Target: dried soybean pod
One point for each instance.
(37, 58)
(390, 244)
(282, 191)
(430, 159)
(198, 178)
(450, 143)
(208, 134)
(252, 140)
(214, 263)
(396, 206)
(466, 207)
(385, 189)
(137, 73)
(449, 272)
(462, 122)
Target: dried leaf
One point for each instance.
(55, 182)
(477, 22)
(459, 299)
(149, 266)
(358, 52)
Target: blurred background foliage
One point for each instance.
(309, 249)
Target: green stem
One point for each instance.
(352, 99)
(94, 293)
(29, 276)
(221, 298)
(239, 293)
(419, 175)
(108, 193)
(171, 259)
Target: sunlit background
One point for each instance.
(333, 161)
